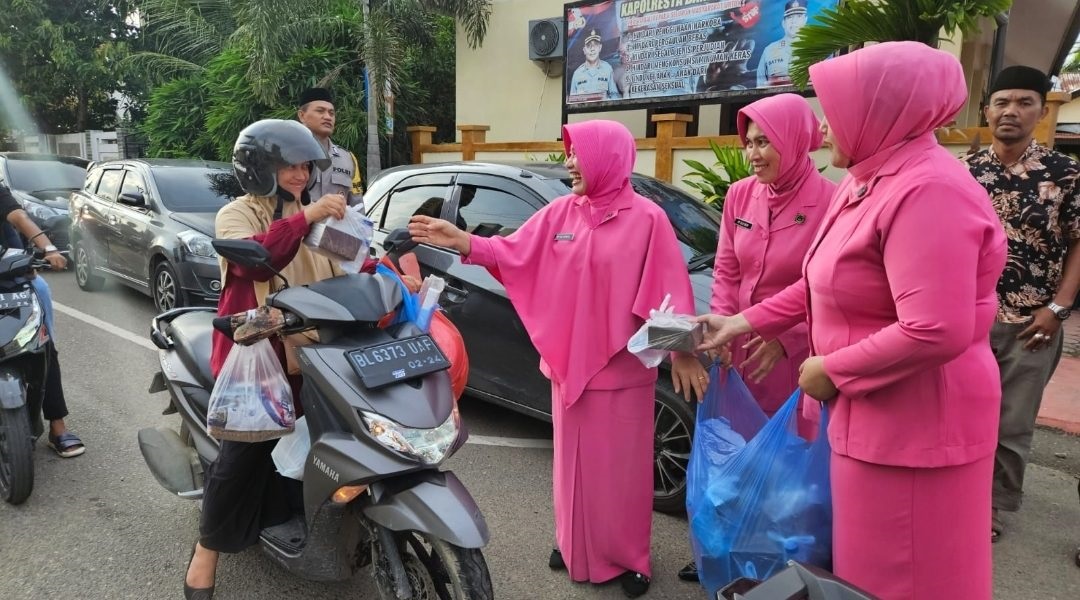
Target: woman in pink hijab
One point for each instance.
(898, 290)
(768, 224)
(583, 274)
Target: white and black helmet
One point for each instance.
(267, 145)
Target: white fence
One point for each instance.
(92, 145)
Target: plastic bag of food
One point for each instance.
(345, 240)
(665, 332)
(252, 400)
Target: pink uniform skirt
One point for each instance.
(913, 533)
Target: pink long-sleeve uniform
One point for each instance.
(765, 232)
(583, 274)
(899, 293)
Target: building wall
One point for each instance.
(1070, 113)
(498, 86)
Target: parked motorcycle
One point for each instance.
(23, 370)
(381, 418)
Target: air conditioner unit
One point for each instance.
(546, 39)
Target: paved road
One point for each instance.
(100, 527)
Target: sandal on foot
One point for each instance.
(997, 526)
(67, 444)
(555, 561)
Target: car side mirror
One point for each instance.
(135, 199)
(399, 241)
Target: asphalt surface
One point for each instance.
(99, 526)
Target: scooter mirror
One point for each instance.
(246, 253)
(399, 241)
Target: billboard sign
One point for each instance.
(633, 51)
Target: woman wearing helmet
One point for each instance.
(275, 162)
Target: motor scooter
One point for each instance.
(381, 417)
(23, 372)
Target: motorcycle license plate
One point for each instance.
(396, 361)
(10, 300)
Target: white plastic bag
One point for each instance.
(664, 332)
(290, 453)
(344, 240)
(252, 400)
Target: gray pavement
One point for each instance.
(99, 526)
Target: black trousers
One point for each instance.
(242, 494)
(53, 405)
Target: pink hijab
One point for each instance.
(605, 152)
(790, 124)
(880, 97)
(581, 298)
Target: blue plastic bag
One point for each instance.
(410, 302)
(763, 504)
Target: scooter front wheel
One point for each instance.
(16, 455)
(437, 570)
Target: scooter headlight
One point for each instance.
(428, 445)
(28, 331)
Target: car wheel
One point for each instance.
(166, 289)
(673, 433)
(85, 274)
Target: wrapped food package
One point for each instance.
(345, 241)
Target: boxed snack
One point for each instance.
(675, 334)
(343, 240)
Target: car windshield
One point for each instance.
(40, 175)
(196, 189)
(696, 224)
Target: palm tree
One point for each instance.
(188, 33)
(856, 22)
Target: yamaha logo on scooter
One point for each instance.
(320, 465)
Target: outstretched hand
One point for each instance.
(438, 232)
(721, 330)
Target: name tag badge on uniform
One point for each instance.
(564, 237)
(744, 224)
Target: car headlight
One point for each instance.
(39, 212)
(429, 445)
(197, 244)
(27, 332)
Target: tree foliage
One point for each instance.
(252, 63)
(63, 60)
(856, 22)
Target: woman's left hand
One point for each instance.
(815, 381)
(688, 374)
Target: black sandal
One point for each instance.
(67, 445)
(997, 527)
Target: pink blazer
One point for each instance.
(899, 292)
(756, 257)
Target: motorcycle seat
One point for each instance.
(192, 334)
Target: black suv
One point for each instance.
(43, 183)
(148, 223)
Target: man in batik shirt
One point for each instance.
(1035, 192)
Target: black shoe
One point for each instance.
(689, 573)
(191, 593)
(555, 561)
(633, 584)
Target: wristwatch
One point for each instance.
(1059, 311)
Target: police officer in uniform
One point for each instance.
(594, 76)
(316, 112)
(773, 66)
